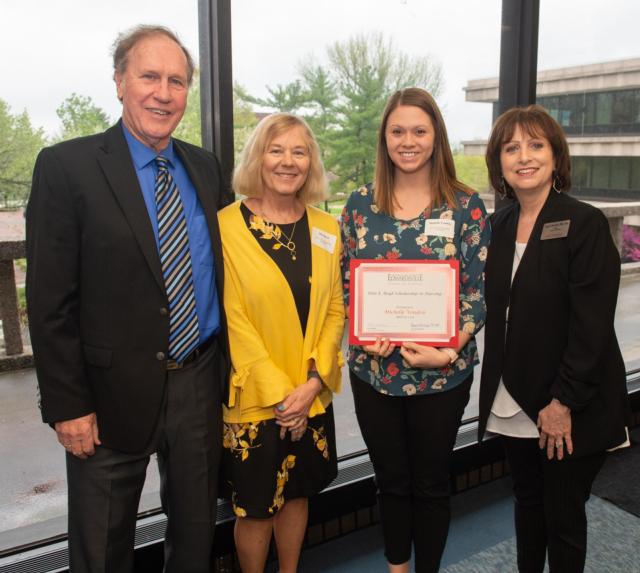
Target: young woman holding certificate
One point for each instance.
(409, 398)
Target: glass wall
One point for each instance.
(288, 56)
(57, 84)
(601, 116)
(322, 62)
(596, 113)
(606, 178)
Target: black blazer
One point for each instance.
(95, 294)
(560, 341)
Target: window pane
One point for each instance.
(604, 108)
(601, 170)
(277, 59)
(620, 172)
(635, 173)
(601, 64)
(580, 172)
(60, 86)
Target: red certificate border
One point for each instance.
(387, 265)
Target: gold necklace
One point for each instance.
(273, 231)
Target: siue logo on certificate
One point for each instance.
(404, 301)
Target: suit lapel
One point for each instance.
(534, 245)
(118, 168)
(207, 191)
(502, 250)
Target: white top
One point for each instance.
(507, 417)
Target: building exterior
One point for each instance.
(598, 105)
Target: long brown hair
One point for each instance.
(444, 182)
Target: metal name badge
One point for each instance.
(555, 230)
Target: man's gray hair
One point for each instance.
(127, 40)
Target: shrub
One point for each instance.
(630, 244)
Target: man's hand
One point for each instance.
(79, 436)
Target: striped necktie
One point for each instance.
(175, 258)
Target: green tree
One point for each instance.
(80, 116)
(320, 98)
(244, 119)
(287, 98)
(343, 100)
(190, 127)
(367, 69)
(20, 143)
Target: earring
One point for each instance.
(503, 189)
(556, 185)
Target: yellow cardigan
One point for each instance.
(269, 355)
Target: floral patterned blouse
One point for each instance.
(368, 234)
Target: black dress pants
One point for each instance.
(104, 490)
(410, 442)
(549, 506)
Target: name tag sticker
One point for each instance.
(440, 227)
(555, 230)
(324, 240)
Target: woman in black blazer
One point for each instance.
(553, 379)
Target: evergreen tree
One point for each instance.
(80, 116)
(367, 69)
(244, 120)
(20, 143)
(343, 100)
(190, 127)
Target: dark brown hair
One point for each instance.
(444, 182)
(535, 122)
(127, 40)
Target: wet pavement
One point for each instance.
(32, 473)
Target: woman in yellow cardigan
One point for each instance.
(284, 308)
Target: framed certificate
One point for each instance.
(404, 301)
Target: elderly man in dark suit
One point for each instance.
(124, 276)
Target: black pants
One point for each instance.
(104, 490)
(410, 441)
(549, 506)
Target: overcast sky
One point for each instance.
(53, 48)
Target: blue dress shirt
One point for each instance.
(207, 305)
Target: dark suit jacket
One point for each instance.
(560, 341)
(95, 293)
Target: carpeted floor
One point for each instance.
(613, 545)
(618, 481)
(481, 539)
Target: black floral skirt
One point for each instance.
(263, 471)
